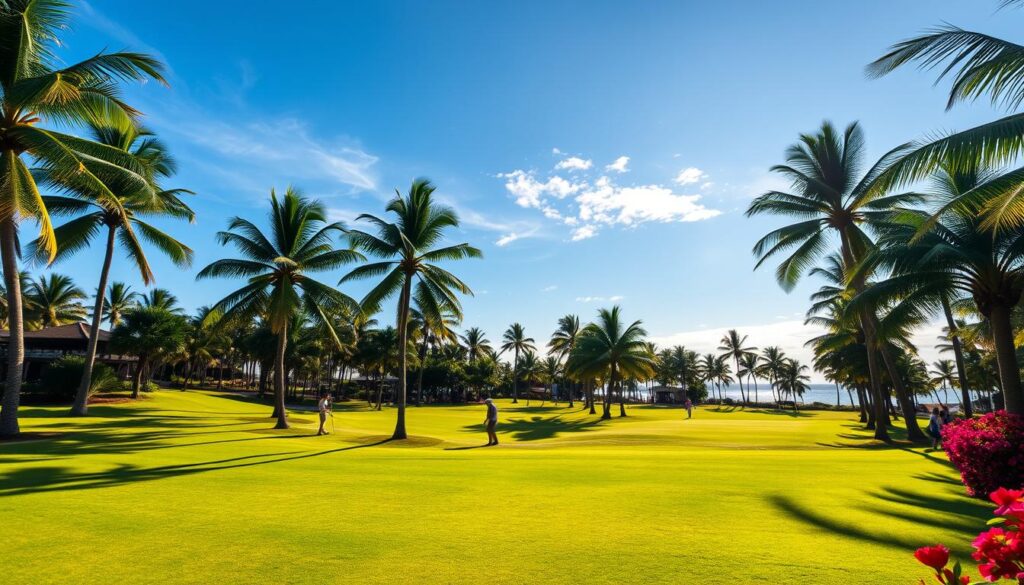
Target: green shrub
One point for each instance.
(60, 379)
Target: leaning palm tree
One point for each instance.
(119, 298)
(563, 341)
(476, 343)
(734, 345)
(828, 199)
(277, 266)
(409, 248)
(613, 350)
(515, 340)
(54, 300)
(35, 88)
(121, 220)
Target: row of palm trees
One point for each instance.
(932, 229)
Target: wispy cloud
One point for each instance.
(690, 175)
(611, 299)
(549, 288)
(574, 163)
(621, 165)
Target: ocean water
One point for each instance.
(818, 393)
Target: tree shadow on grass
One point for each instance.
(34, 480)
(538, 427)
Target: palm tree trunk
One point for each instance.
(16, 329)
(515, 377)
(607, 413)
(914, 432)
(419, 375)
(1006, 356)
(958, 355)
(279, 378)
(137, 376)
(80, 406)
(590, 396)
(403, 336)
(622, 402)
(571, 387)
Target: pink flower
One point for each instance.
(1007, 501)
(935, 557)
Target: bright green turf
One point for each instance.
(192, 487)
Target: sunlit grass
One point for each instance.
(192, 487)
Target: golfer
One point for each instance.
(324, 407)
(491, 421)
(689, 408)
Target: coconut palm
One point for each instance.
(434, 325)
(979, 65)
(123, 220)
(748, 366)
(772, 358)
(54, 300)
(530, 369)
(734, 345)
(476, 343)
(943, 374)
(277, 266)
(149, 333)
(409, 248)
(35, 87)
(612, 350)
(161, 298)
(515, 340)
(794, 380)
(551, 370)
(119, 298)
(829, 199)
(563, 340)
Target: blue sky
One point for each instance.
(598, 152)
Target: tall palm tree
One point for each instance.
(119, 298)
(476, 343)
(943, 373)
(829, 199)
(749, 365)
(613, 350)
(734, 345)
(794, 380)
(35, 87)
(408, 245)
(277, 266)
(121, 220)
(552, 370)
(531, 369)
(772, 359)
(54, 300)
(434, 325)
(515, 340)
(563, 341)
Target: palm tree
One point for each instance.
(515, 340)
(563, 341)
(551, 370)
(610, 349)
(434, 325)
(772, 359)
(122, 219)
(476, 343)
(530, 369)
(979, 64)
(794, 380)
(149, 333)
(277, 267)
(828, 198)
(54, 300)
(733, 344)
(35, 87)
(161, 298)
(950, 254)
(409, 245)
(749, 365)
(119, 298)
(944, 374)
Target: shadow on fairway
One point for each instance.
(58, 479)
(954, 511)
(537, 428)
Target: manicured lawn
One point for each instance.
(193, 487)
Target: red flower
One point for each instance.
(935, 557)
(1007, 500)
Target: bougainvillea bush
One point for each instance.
(999, 550)
(988, 451)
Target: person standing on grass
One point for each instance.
(935, 427)
(689, 408)
(324, 407)
(492, 422)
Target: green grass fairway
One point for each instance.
(194, 487)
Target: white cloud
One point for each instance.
(549, 288)
(574, 163)
(507, 239)
(529, 192)
(611, 204)
(583, 232)
(555, 150)
(619, 166)
(690, 175)
(593, 299)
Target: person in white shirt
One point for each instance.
(324, 407)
